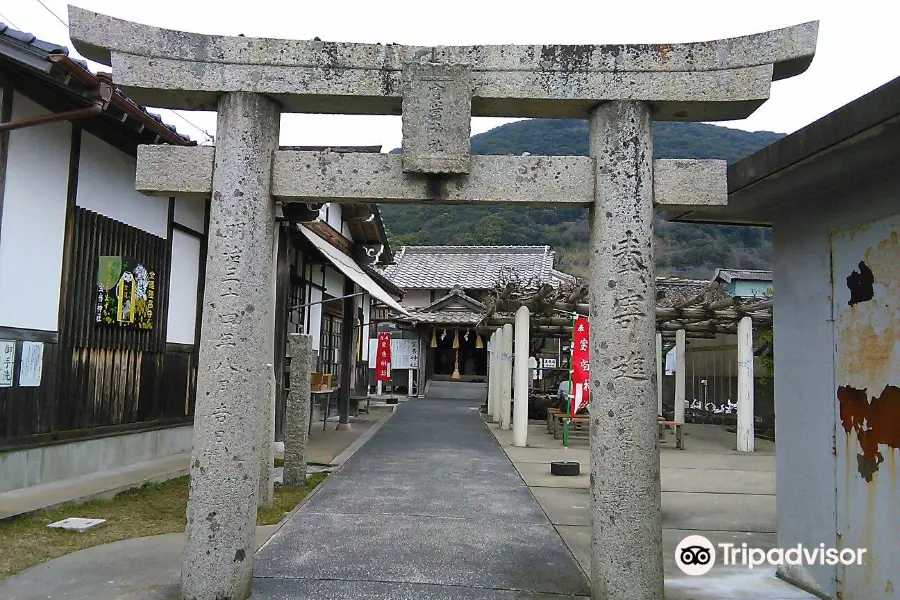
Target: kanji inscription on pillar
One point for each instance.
(437, 118)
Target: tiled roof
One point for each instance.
(450, 317)
(727, 275)
(458, 293)
(558, 277)
(673, 290)
(26, 49)
(471, 267)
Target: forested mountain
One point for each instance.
(681, 248)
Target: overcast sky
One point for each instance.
(856, 48)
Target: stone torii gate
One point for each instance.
(437, 90)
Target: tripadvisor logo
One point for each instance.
(696, 555)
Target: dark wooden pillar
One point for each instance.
(348, 317)
(282, 296)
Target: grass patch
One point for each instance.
(152, 509)
(286, 498)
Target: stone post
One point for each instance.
(680, 374)
(745, 425)
(506, 399)
(498, 375)
(296, 414)
(660, 364)
(520, 366)
(626, 533)
(235, 348)
(492, 375)
(266, 494)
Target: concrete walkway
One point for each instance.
(708, 489)
(430, 508)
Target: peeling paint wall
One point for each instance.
(866, 280)
(811, 365)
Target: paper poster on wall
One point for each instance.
(7, 362)
(32, 364)
(404, 354)
(126, 293)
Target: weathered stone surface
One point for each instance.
(695, 183)
(437, 118)
(296, 422)
(164, 170)
(626, 542)
(304, 176)
(507, 369)
(232, 376)
(266, 493)
(724, 79)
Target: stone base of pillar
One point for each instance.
(344, 427)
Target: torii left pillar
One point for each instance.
(235, 346)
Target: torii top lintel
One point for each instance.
(717, 80)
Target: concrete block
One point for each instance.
(437, 118)
(77, 524)
(13, 470)
(113, 452)
(139, 447)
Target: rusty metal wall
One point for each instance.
(866, 296)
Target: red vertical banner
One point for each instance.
(383, 364)
(581, 365)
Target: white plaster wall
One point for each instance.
(34, 214)
(334, 282)
(106, 186)
(334, 212)
(191, 212)
(805, 404)
(418, 298)
(183, 282)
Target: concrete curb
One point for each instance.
(340, 460)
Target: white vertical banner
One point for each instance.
(7, 362)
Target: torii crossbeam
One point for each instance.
(437, 90)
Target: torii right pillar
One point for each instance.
(626, 535)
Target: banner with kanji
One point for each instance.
(383, 365)
(581, 366)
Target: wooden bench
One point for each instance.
(552, 414)
(679, 431)
(579, 427)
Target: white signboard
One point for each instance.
(404, 354)
(7, 362)
(32, 364)
(549, 363)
